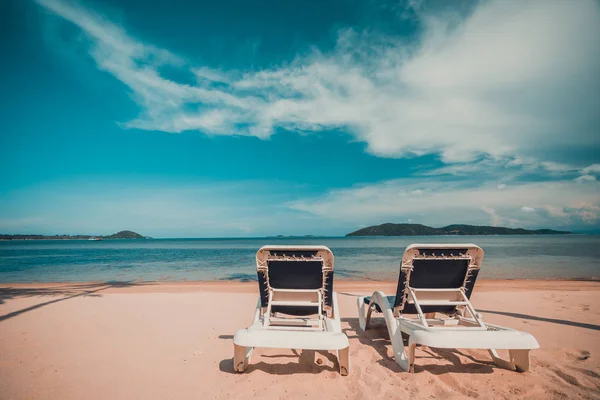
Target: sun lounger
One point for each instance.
(297, 307)
(432, 308)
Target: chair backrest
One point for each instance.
(295, 267)
(437, 266)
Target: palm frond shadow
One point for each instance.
(64, 292)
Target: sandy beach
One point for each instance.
(174, 341)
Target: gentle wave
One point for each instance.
(378, 258)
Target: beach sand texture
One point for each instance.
(174, 341)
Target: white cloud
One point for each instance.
(510, 168)
(584, 212)
(495, 219)
(557, 212)
(589, 173)
(588, 213)
(168, 209)
(591, 169)
(565, 203)
(585, 178)
(495, 83)
(490, 92)
(556, 167)
(204, 73)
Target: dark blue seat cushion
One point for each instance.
(292, 274)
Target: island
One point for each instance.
(390, 229)
(290, 237)
(118, 235)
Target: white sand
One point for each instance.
(174, 341)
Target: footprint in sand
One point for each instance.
(516, 391)
(557, 394)
(584, 355)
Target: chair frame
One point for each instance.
(464, 328)
(273, 331)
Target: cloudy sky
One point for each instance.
(253, 118)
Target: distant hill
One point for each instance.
(125, 235)
(390, 229)
(119, 235)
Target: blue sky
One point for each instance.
(238, 118)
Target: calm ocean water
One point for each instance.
(573, 256)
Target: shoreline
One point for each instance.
(303, 237)
(236, 286)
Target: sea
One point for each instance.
(359, 258)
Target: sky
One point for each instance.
(256, 118)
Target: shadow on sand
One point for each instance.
(305, 365)
(66, 291)
(226, 337)
(542, 319)
(377, 337)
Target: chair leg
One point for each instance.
(411, 357)
(307, 357)
(368, 319)
(344, 361)
(363, 318)
(520, 358)
(499, 361)
(402, 359)
(241, 357)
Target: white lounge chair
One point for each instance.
(297, 308)
(437, 281)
